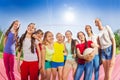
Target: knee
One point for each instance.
(60, 75)
(107, 77)
(64, 76)
(54, 74)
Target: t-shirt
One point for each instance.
(58, 55)
(93, 38)
(105, 37)
(81, 48)
(10, 44)
(27, 54)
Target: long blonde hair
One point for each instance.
(45, 37)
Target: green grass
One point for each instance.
(1, 55)
(117, 51)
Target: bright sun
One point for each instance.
(69, 16)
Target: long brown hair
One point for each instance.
(39, 30)
(16, 32)
(45, 36)
(7, 32)
(73, 45)
(86, 45)
(89, 27)
(22, 39)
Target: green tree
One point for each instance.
(1, 41)
(117, 39)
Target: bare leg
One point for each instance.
(54, 73)
(105, 68)
(48, 74)
(60, 71)
(66, 70)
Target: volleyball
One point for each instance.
(87, 51)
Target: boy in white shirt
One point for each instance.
(108, 47)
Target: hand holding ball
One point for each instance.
(88, 56)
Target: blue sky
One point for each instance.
(50, 14)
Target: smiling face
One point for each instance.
(98, 23)
(49, 37)
(68, 35)
(39, 34)
(31, 28)
(59, 37)
(88, 29)
(81, 36)
(15, 25)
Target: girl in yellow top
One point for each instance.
(58, 57)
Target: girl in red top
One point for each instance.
(85, 64)
(38, 35)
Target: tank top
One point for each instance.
(49, 53)
(69, 55)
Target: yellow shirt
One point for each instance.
(58, 55)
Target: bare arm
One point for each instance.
(65, 50)
(18, 60)
(4, 41)
(98, 42)
(43, 56)
(114, 47)
(18, 56)
(39, 55)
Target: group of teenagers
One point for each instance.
(43, 55)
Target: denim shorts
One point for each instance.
(107, 53)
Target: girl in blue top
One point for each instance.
(10, 40)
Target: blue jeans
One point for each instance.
(96, 66)
(107, 53)
(87, 68)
